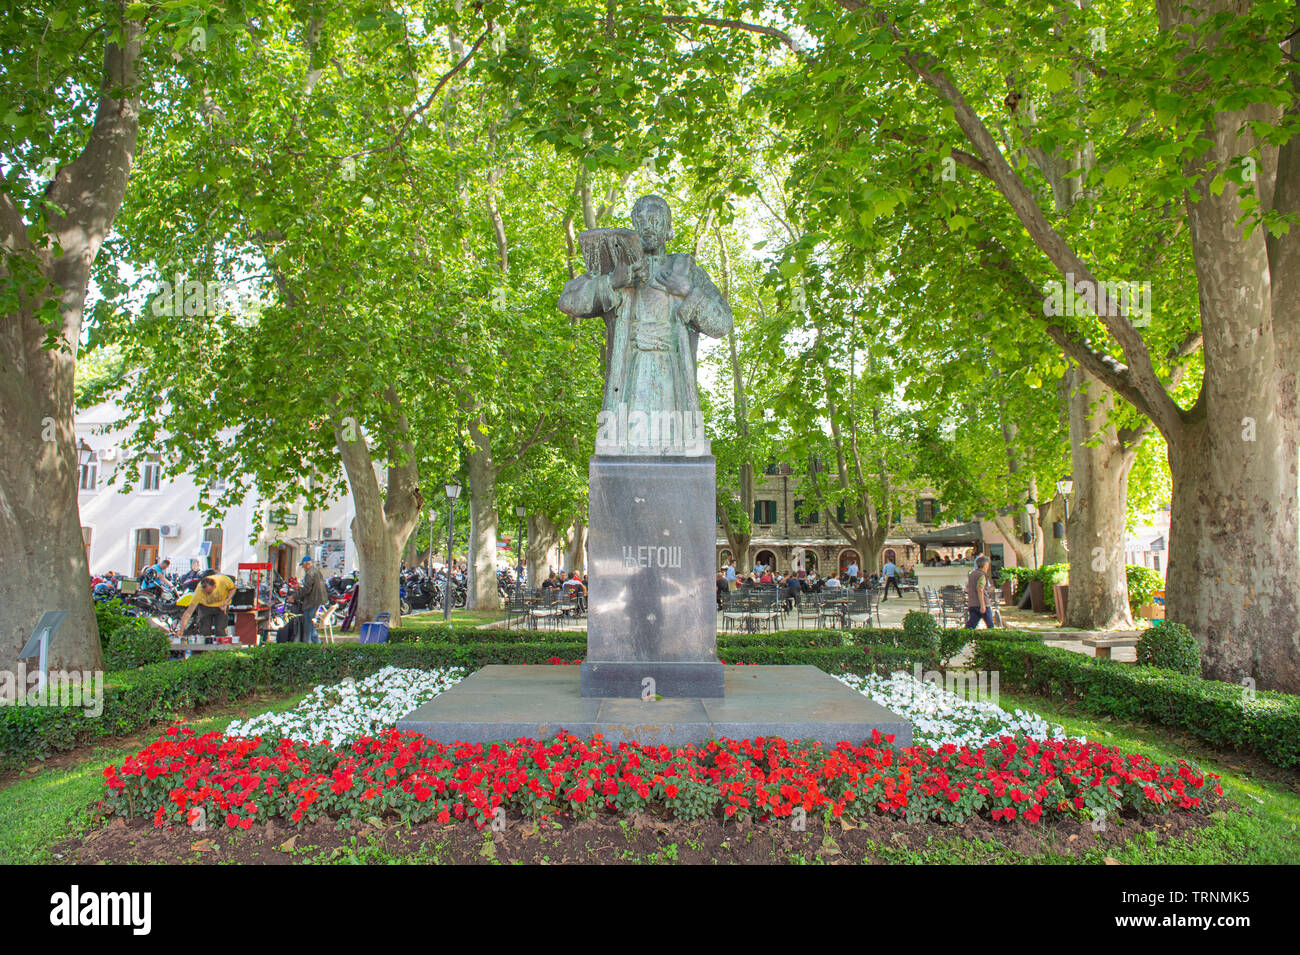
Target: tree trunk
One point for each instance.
(1054, 549)
(543, 535)
(1009, 528)
(482, 584)
(42, 560)
(1234, 559)
(383, 518)
(1234, 577)
(575, 553)
(1098, 585)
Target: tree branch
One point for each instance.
(785, 38)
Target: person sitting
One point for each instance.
(154, 575)
(833, 583)
(793, 588)
(551, 581)
(574, 588)
(723, 588)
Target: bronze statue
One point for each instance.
(659, 304)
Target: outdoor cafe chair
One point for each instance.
(809, 609)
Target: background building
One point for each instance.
(790, 535)
(126, 531)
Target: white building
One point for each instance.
(159, 517)
(1147, 545)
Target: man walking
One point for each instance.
(890, 573)
(977, 606)
(310, 596)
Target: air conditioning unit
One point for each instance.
(108, 454)
(170, 530)
(331, 533)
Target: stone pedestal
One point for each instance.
(792, 702)
(652, 618)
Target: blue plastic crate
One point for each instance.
(376, 631)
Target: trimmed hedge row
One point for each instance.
(953, 637)
(136, 698)
(1219, 713)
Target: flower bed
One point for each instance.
(350, 709)
(345, 711)
(940, 717)
(183, 778)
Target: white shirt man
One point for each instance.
(853, 570)
(890, 574)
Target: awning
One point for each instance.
(957, 535)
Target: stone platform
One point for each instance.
(793, 702)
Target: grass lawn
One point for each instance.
(459, 618)
(42, 809)
(1267, 832)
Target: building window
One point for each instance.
(765, 512)
(213, 536)
(805, 517)
(89, 476)
(146, 548)
(152, 476)
(841, 515)
(927, 510)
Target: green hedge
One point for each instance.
(135, 699)
(157, 693)
(128, 642)
(1218, 713)
(127, 651)
(1143, 582)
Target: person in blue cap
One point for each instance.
(310, 595)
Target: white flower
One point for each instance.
(939, 717)
(342, 712)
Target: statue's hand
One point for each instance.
(675, 283)
(624, 276)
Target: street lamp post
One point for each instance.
(433, 537)
(1033, 535)
(520, 512)
(1064, 487)
(453, 492)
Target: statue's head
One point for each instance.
(651, 218)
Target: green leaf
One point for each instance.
(1056, 79)
(1117, 177)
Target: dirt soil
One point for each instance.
(602, 840)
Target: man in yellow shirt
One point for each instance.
(212, 597)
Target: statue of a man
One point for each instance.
(659, 305)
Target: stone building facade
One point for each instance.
(789, 536)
